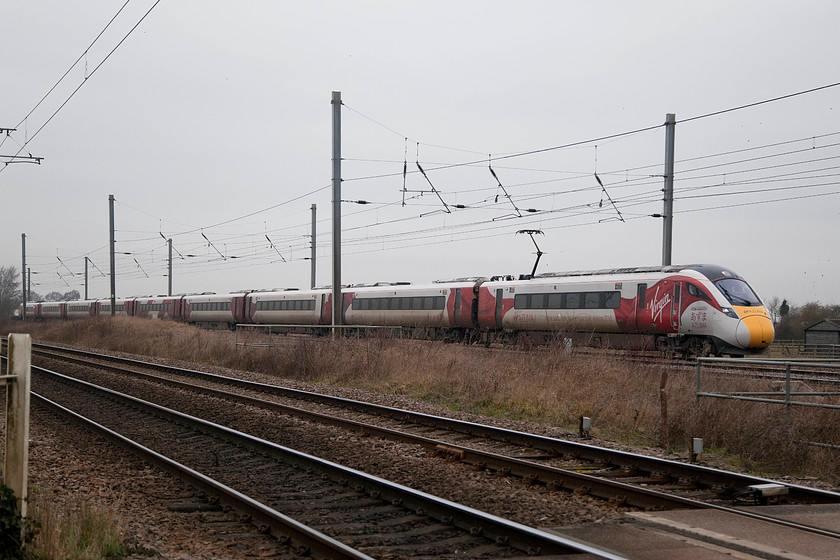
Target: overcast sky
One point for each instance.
(211, 125)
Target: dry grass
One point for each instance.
(625, 400)
(80, 531)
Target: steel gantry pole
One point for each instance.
(169, 243)
(336, 207)
(113, 272)
(312, 274)
(23, 293)
(668, 211)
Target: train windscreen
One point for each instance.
(738, 292)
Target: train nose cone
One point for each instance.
(755, 332)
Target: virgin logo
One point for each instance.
(659, 305)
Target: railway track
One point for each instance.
(315, 506)
(621, 477)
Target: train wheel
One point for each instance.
(700, 347)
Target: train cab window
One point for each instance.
(738, 292)
(696, 292)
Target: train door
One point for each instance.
(462, 307)
(676, 306)
(323, 310)
(658, 307)
(238, 309)
(499, 307)
(640, 316)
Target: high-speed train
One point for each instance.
(693, 309)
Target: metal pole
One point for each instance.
(169, 242)
(86, 278)
(23, 293)
(312, 275)
(336, 207)
(28, 283)
(697, 391)
(668, 212)
(787, 391)
(113, 271)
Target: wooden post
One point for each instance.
(17, 417)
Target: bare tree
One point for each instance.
(9, 293)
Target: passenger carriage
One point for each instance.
(157, 307)
(214, 310)
(289, 307)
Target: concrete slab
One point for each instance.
(643, 542)
(823, 516)
(750, 536)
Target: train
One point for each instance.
(698, 309)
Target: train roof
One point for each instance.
(711, 271)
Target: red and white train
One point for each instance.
(696, 309)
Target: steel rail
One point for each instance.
(609, 457)
(280, 525)
(468, 519)
(617, 492)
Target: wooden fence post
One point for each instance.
(17, 380)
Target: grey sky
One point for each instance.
(211, 111)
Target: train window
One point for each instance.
(417, 303)
(641, 291)
(697, 292)
(592, 300)
(612, 300)
(537, 301)
(737, 292)
(573, 301)
(520, 301)
(555, 301)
